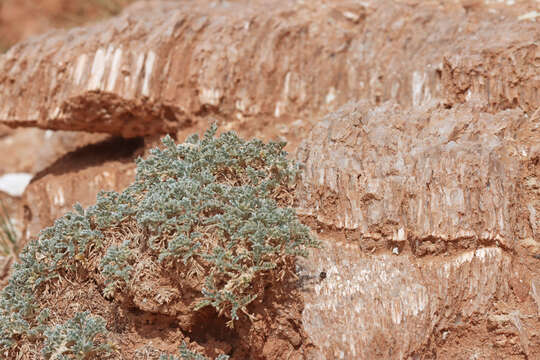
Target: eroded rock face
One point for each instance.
(431, 233)
(394, 307)
(496, 75)
(31, 150)
(437, 209)
(162, 65)
(428, 178)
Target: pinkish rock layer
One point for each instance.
(497, 75)
(391, 307)
(430, 179)
(476, 302)
(430, 225)
(161, 65)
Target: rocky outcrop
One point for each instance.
(162, 65)
(495, 75)
(430, 222)
(428, 178)
(31, 150)
(426, 193)
(398, 307)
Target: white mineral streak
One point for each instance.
(529, 16)
(210, 97)
(79, 68)
(417, 85)
(115, 69)
(241, 105)
(278, 111)
(56, 112)
(98, 70)
(148, 68)
(281, 105)
(400, 297)
(331, 96)
(286, 85)
(58, 198)
(421, 92)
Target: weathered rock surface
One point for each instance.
(30, 150)
(427, 178)
(430, 222)
(430, 216)
(161, 65)
(403, 307)
(496, 75)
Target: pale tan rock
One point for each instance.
(391, 307)
(497, 74)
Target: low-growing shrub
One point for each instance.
(75, 339)
(215, 209)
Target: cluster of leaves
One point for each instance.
(211, 206)
(58, 251)
(186, 354)
(75, 339)
(115, 267)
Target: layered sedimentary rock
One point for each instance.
(161, 65)
(428, 178)
(433, 202)
(395, 307)
(429, 217)
(496, 75)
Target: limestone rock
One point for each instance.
(498, 74)
(392, 307)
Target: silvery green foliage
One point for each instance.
(186, 354)
(59, 249)
(218, 191)
(75, 339)
(115, 267)
(209, 201)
